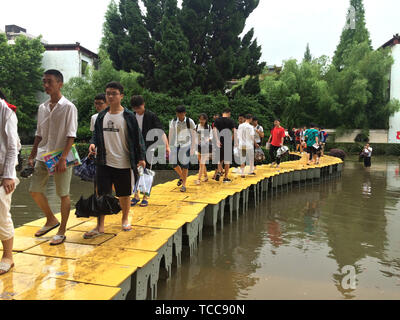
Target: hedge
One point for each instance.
(387, 149)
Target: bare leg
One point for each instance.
(184, 176)
(65, 210)
(178, 170)
(125, 203)
(42, 202)
(7, 251)
(227, 170)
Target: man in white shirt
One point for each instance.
(100, 104)
(57, 126)
(182, 140)
(367, 152)
(246, 141)
(9, 145)
(259, 132)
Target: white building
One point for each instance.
(394, 121)
(70, 59)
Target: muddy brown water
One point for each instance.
(338, 239)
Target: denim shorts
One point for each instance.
(180, 156)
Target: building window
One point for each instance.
(84, 65)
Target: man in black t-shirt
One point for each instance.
(223, 128)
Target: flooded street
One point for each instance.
(339, 239)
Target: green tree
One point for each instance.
(307, 55)
(354, 32)
(20, 77)
(173, 72)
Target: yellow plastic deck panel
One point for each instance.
(24, 243)
(122, 256)
(13, 285)
(95, 272)
(77, 237)
(90, 225)
(65, 250)
(59, 289)
(38, 265)
(165, 219)
(183, 207)
(72, 221)
(141, 238)
(208, 199)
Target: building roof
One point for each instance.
(392, 42)
(68, 47)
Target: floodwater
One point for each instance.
(339, 239)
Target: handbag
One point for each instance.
(259, 155)
(96, 206)
(87, 170)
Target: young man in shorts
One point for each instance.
(120, 150)
(182, 141)
(311, 136)
(57, 125)
(224, 133)
(246, 141)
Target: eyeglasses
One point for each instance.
(112, 94)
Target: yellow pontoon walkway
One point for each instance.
(128, 265)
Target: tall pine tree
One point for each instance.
(173, 72)
(307, 55)
(354, 32)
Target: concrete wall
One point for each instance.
(375, 136)
(394, 121)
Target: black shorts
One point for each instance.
(312, 150)
(122, 179)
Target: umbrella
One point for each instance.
(96, 206)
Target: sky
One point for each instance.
(282, 28)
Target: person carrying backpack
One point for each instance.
(182, 142)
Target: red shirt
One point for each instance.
(277, 135)
(12, 107)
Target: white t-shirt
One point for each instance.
(139, 119)
(368, 152)
(9, 142)
(257, 137)
(204, 136)
(246, 134)
(181, 135)
(55, 126)
(115, 131)
(93, 121)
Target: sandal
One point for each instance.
(45, 230)
(92, 234)
(205, 180)
(5, 267)
(144, 203)
(134, 202)
(180, 182)
(183, 189)
(57, 240)
(126, 227)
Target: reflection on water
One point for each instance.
(301, 244)
(298, 245)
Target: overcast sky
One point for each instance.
(283, 28)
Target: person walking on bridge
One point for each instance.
(9, 146)
(276, 140)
